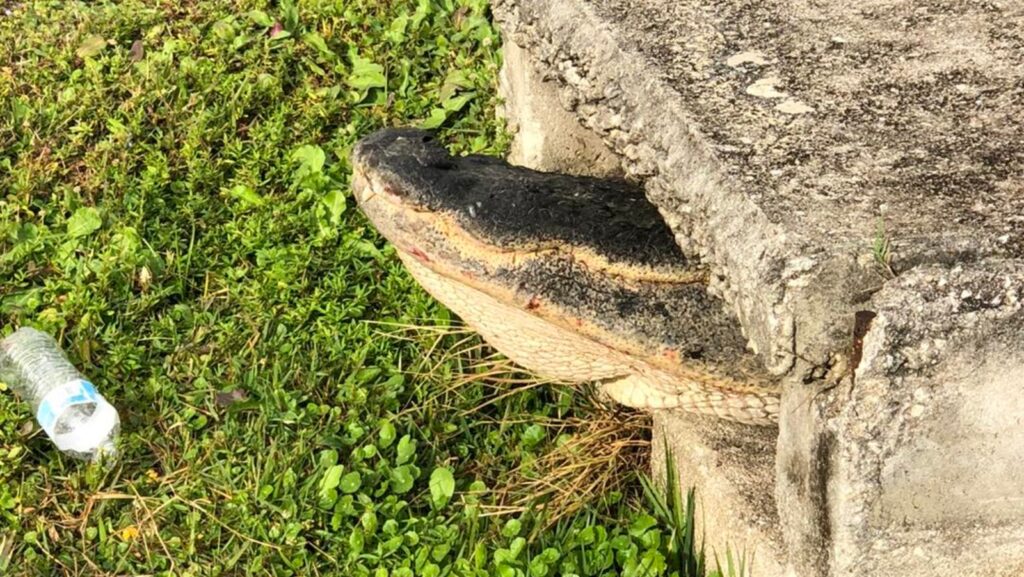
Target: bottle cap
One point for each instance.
(94, 432)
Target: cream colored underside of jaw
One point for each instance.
(569, 323)
(553, 352)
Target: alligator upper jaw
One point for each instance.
(442, 239)
(394, 155)
(513, 208)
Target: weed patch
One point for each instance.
(175, 207)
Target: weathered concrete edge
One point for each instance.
(547, 137)
(761, 270)
(941, 338)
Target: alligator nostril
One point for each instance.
(427, 138)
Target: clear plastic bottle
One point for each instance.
(67, 406)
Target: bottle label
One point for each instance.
(62, 398)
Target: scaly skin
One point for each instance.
(576, 279)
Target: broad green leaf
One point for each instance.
(260, 17)
(435, 120)
(549, 555)
(387, 434)
(406, 448)
(402, 479)
(512, 528)
(621, 543)
(369, 521)
(423, 10)
(91, 46)
(641, 525)
(355, 432)
(473, 493)
(351, 482)
(84, 222)
(289, 14)
(516, 547)
(335, 203)
(533, 435)
(396, 32)
(316, 41)
(366, 74)
(311, 159)
(332, 478)
(440, 551)
(392, 545)
(356, 541)
(453, 82)
(442, 486)
(247, 195)
(328, 498)
(457, 103)
(366, 375)
(328, 458)
(225, 29)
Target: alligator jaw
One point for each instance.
(563, 274)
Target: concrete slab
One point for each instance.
(925, 449)
(546, 136)
(913, 126)
(852, 175)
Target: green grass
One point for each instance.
(686, 553)
(881, 250)
(175, 207)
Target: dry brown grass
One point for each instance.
(600, 448)
(603, 449)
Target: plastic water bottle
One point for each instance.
(67, 407)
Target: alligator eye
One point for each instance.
(427, 138)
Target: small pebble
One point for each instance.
(765, 88)
(793, 106)
(750, 57)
